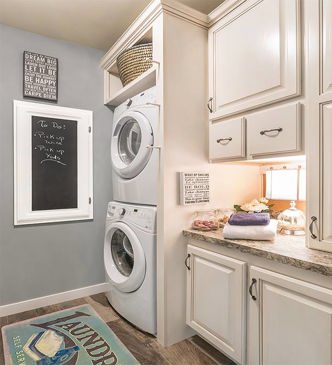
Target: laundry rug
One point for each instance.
(75, 336)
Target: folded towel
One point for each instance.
(259, 233)
(249, 219)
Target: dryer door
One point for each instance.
(132, 133)
(124, 258)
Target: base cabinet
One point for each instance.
(216, 300)
(290, 322)
(257, 316)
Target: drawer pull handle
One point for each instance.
(186, 261)
(224, 141)
(313, 220)
(253, 282)
(209, 105)
(266, 131)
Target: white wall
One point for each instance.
(185, 148)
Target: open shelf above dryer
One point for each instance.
(118, 94)
(114, 92)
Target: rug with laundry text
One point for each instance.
(75, 336)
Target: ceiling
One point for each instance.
(93, 23)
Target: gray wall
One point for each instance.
(39, 260)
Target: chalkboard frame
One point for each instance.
(23, 116)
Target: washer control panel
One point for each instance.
(143, 217)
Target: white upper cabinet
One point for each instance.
(326, 177)
(254, 56)
(320, 185)
(319, 124)
(326, 60)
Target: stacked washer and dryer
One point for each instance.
(131, 238)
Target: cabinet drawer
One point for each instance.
(227, 140)
(275, 131)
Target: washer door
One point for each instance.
(132, 133)
(124, 258)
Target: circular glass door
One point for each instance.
(122, 252)
(131, 137)
(124, 257)
(129, 141)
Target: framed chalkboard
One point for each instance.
(40, 76)
(53, 163)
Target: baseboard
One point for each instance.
(35, 303)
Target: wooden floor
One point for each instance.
(144, 347)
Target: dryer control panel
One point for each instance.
(145, 97)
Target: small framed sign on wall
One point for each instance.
(194, 188)
(40, 76)
(53, 163)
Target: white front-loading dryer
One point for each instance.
(130, 263)
(134, 150)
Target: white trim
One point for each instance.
(222, 10)
(23, 213)
(8, 309)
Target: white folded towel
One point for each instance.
(259, 233)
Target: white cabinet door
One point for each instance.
(215, 300)
(254, 56)
(319, 125)
(275, 131)
(227, 140)
(326, 59)
(320, 184)
(290, 322)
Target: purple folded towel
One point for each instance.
(249, 219)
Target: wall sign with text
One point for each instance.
(53, 163)
(40, 76)
(194, 188)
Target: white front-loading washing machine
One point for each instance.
(130, 263)
(134, 150)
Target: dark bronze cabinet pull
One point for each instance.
(220, 140)
(264, 133)
(186, 261)
(253, 282)
(313, 220)
(209, 105)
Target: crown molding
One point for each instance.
(222, 10)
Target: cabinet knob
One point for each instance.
(253, 282)
(209, 105)
(186, 261)
(311, 227)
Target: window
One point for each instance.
(286, 183)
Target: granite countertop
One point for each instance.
(285, 249)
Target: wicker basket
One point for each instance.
(134, 61)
